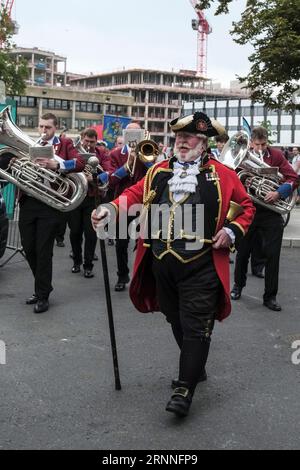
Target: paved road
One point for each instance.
(291, 236)
(57, 389)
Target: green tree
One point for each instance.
(12, 73)
(268, 126)
(272, 27)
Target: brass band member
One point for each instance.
(121, 160)
(38, 222)
(190, 285)
(267, 224)
(80, 219)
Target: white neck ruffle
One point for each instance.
(184, 180)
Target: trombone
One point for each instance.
(146, 151)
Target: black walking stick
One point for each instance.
(94, 162)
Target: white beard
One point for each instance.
(192, 154)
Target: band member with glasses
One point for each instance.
(180, 272)
(267, 224)
(80, 218)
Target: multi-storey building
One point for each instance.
(44, 67)
(75, 109)
(158, 96)
(285, 126)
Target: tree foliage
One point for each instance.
(12, 73)
(272, 27)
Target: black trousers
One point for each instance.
(122, 252)
(270, 225)
(60, 234)
(38, 224)
(257, 254)
(80, 224)
(188, 295)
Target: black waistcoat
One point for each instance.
(173, 225)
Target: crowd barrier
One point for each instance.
(12, 208)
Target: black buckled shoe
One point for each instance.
(76, 269)
(121, 284)
(41, 306)
(176, 382)
(88, 273)
(32, 300)
(236, 292)
(180, 401)
(272, 304)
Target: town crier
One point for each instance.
(182, 266)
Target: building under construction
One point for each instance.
(159, 96)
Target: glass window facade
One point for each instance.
(229, 113)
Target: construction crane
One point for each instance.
(9, 5)
(204, 29)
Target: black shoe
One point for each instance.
(41, 306)
(272, 304)
(236, 292)
(60, 244)
(121, 284)
(88, 273)
(32, 300)
(76, 269)
(176, 382)
(258, 273)
(180, 401)
(95, 258)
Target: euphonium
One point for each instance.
(146, 151)
(258, 177)
(90, 169)
(59, 191)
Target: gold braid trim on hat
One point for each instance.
(219, 128)
(182, 122)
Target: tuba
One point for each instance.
(146, 151)
(258, 177)
(59, 191)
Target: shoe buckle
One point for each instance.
(181, 391)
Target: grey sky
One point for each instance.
(105, 35)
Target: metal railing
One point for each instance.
(12, 208)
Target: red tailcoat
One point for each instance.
(143, 289)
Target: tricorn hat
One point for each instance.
(198, 123)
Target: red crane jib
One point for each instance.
(8, 6)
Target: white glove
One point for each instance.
(100, 217)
